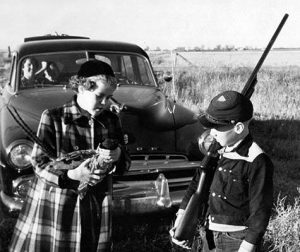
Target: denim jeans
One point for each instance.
(228, 241)
(223, 241)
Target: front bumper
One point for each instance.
(133, 193)
(141, 202)
(10, 205)
(142, 198)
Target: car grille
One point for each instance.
(158, 157)
(148, 166)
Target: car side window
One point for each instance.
(145, 73)
(133, 70)
(127, 69)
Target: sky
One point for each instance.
(155, 23)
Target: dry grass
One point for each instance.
(275, 97)
(284, 227)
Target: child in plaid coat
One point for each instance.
(54, 218)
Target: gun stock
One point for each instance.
(188, 224)
(198, 202)
(197, 206)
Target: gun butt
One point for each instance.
(187, 227)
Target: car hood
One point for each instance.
(33, 102)
(154, 108)
(148, 103)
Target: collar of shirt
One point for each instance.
(74, 113)
(241, 147)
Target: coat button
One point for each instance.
(220, 168)
(76, 147)
(213, 194)
(219, 196)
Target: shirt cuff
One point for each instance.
(247, 247)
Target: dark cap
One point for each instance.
(227, 108)
(95, 67)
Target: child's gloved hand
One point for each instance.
(184, 244)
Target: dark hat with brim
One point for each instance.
(95, 67)
(227, 108)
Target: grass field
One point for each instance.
(276, 128)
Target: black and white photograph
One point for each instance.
(149, 126)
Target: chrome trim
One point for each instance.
(153, 157)
(152, 166)
(20, 180)
(121, 205)
(2, 164)
(12, 203)
(143, 205)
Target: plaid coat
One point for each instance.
(53, 217)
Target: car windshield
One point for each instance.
(52, 69)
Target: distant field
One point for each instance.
(230, 59)
(201, 75)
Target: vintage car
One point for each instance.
(162, 135)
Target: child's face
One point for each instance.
(225, 135)
(97, 96)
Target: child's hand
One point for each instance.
(83, 174)
(184, 244)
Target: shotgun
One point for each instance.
(195, 211)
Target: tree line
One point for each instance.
(217, 48)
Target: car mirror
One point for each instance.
(167, 77)
(161, 76)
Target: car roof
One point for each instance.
(63, 45)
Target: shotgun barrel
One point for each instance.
(250, 84)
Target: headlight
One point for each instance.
(205, 141)
(19, 154)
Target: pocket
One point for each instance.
(236, 188)
(239, 235)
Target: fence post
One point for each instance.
(173, 57)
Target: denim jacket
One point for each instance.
(241, 192)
